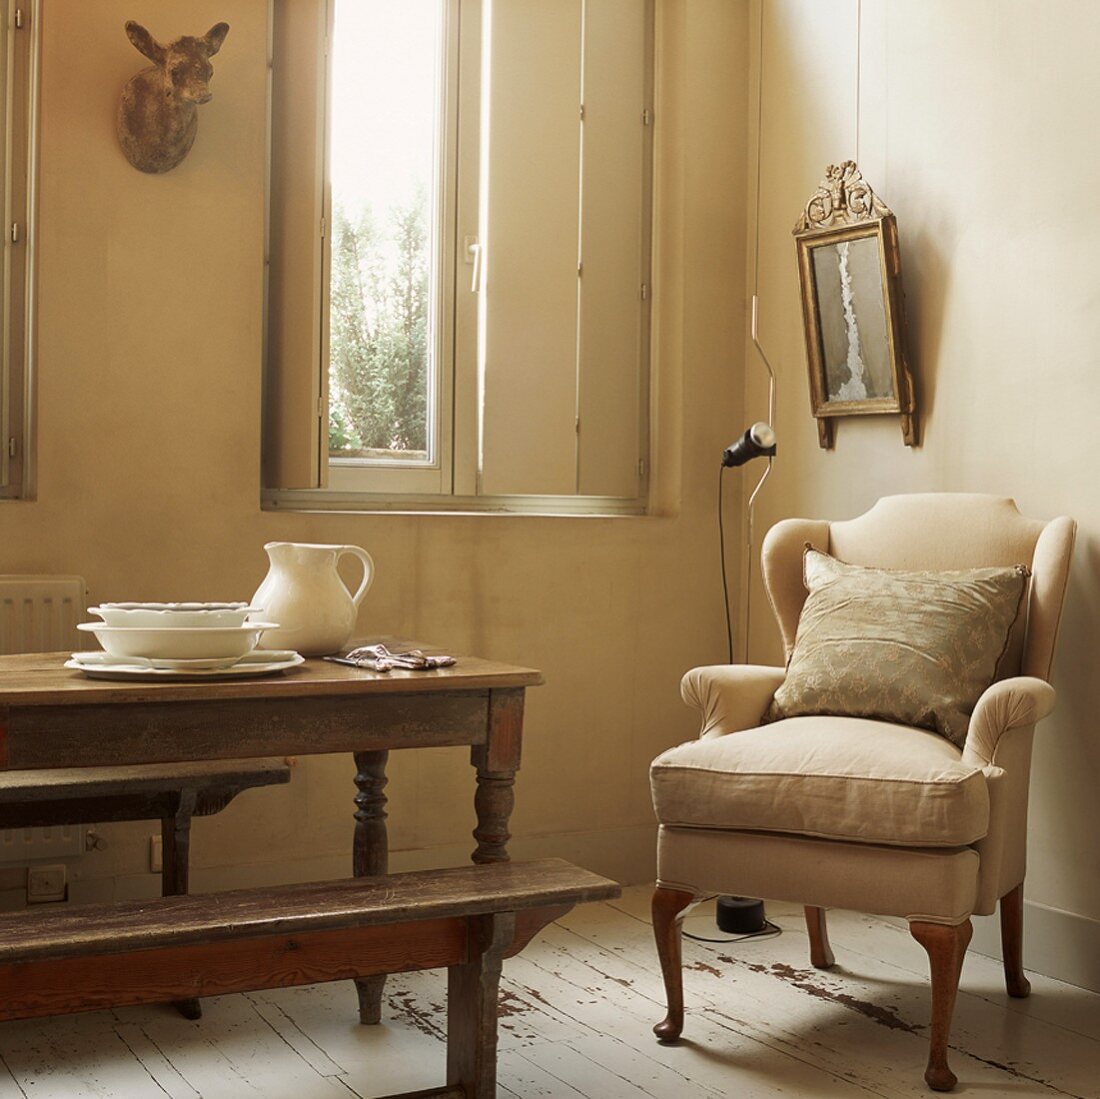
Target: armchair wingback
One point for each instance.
(934, 531)
(851, 813)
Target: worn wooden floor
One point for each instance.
(577, 1009)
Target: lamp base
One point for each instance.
(740, 915)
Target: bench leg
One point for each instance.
(175, 835)
(473, 992)
(370, 856)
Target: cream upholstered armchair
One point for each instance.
(851, 813)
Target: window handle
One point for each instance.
(474, 256)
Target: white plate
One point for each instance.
(104, 666)
(100, 659)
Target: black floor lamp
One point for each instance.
(743, 915)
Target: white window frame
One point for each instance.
(20, 50)
(450, 481)
(434, 477)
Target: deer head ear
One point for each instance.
(144, 42)
(214, 37)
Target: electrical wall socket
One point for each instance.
(46, 883)
(156, 854)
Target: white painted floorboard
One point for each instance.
(576, 1012)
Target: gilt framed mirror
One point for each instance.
(849, 266)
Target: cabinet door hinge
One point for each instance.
(18, 19)
(647, 117)
(645, 291)
(13, 447)
(324, 228)
(14, 234)
(641, 469)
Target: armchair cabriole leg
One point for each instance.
(1012, 942)
(946, 947)
(669, 906)
(821, 953)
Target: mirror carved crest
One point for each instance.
(843, 197)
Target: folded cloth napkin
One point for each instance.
(377, 658)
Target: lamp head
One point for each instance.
(757, 442)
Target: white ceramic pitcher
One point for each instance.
(303, 592)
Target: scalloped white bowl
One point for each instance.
(178, 643)
(174, 615)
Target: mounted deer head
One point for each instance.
(158, 116)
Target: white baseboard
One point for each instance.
(1057, 944)
(628, 855)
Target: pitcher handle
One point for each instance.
(368, 570)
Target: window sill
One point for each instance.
(575, 507)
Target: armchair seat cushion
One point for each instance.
(840, 778)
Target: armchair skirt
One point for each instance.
(933, 885)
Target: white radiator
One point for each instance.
(39, 614)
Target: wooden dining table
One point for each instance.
(51, 716)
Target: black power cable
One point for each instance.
(768, 931)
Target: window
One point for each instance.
(458, 307)
(19, 50)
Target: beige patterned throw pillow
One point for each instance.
(915, 648)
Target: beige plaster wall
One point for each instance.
(975, 129)
(149, 452)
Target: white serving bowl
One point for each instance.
(175, 615)
(184, 643)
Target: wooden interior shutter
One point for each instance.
(529, 331)
(295, 411)
(614, 308)
(567, 247)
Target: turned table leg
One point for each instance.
(497, 761)
(370, 856)
(493, 803)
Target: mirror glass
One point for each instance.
(854, 334)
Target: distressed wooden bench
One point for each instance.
(172, 793)
(466, 919)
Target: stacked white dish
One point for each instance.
(154, 640)
(175, 615)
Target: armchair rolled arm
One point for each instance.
(731, 697)
(1022, 700)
